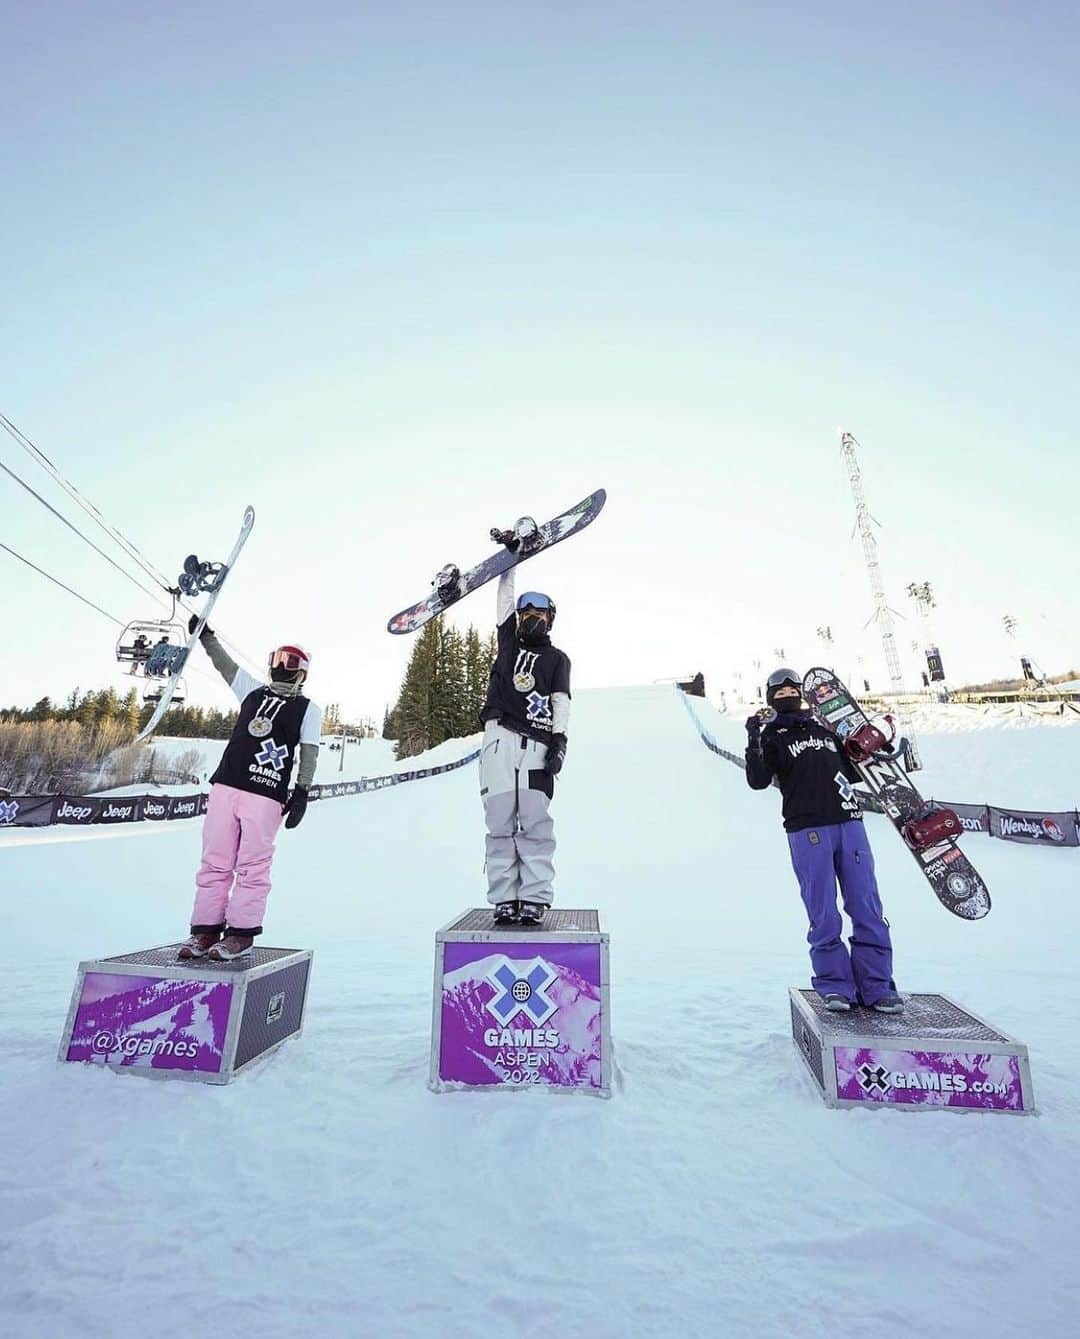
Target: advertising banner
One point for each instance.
(522, 1013)
(76, 809)
(929, 1078)
(121, 809)
(151, 1021)
(187, 806)
(973, 817)
(26, 811)
(1042, 829)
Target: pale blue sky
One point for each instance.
(397, 278)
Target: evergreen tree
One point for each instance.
(413, 710)
(129, 711)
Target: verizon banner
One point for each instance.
(1041, 829)
(26, 811)
(973, 817)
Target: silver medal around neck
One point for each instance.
(524, 683)
(260, 726)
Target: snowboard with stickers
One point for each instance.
(930, 833)
(451, 584)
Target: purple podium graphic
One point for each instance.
(150, 1020)
(147, 1013)
(934, 1056)
(518, 1007)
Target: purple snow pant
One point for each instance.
(820, 858)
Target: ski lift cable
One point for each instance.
(61, 517)
(189, 669)
(36, 453)
(56, 582)
(46, 464)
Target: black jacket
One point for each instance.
(814, 776)
(523, 681)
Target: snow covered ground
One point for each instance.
(328, 1192)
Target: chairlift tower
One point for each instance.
(883, 614)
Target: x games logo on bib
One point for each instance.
(272, 755)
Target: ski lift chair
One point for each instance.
(154, 690)
(138, 642)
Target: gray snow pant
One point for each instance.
(520, 832)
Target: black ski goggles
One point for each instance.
(785, 678)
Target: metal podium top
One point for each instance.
(165, 956)
(929, 1016)
(564, 923)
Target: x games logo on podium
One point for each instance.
(520, 1006)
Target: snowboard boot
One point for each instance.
(505, 913)
(531, 913)
(888, 1004)
(233, 946)
(197, 946)
(837, 1004)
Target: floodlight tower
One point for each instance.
(864, 523)
(923, 595)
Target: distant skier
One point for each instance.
(828, 844)
(525, 718)
(249, 796)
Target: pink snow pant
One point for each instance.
(238, 840)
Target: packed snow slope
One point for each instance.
(328, 1192)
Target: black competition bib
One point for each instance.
(260, 753)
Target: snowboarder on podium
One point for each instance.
(828, 844)
(525, 718)
(249, 797)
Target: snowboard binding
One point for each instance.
(199, 578)
(869, 740)
(449, 584)
(930, 828)
(526, 536)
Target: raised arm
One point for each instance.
(225, 665)
(504, 600)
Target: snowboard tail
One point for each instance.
(455, 585)
(956, 883)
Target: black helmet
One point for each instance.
(784, 677)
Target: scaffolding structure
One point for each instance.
(883, 614)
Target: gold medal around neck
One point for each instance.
(259, 727)
(524, 683)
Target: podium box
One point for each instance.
(934, 1056)
(146, 1013)
(522, 1006)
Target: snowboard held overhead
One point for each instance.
(451, 584)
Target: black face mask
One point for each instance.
(787, 705)
(531, 627)
(279, 674)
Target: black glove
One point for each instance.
(296, 807)
(753, 728)
(555, 756)
(506, 538)
(193, 623)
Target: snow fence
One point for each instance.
(39, 811)
(1034, 827)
